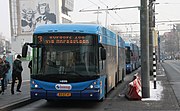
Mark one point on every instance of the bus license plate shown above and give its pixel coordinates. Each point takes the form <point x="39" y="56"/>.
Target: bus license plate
<point x="64" y="94"/>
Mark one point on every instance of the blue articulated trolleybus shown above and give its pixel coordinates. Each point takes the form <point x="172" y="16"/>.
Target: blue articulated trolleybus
<point x="129" y="57"/>
<point x="74" y="61"/>
<point x="132" y="57"/>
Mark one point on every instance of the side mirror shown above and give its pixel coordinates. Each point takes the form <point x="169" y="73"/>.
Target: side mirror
<point x="103" y="54"/>
<point x="24" y="50"/>
<point x="131" y="53"/>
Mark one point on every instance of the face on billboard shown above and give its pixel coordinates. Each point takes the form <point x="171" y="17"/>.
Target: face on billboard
<point x="42" y="9"/>
<point x="36" y="13"/>
<point x="30" y="15"/>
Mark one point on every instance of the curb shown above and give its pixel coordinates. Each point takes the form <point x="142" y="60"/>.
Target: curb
<point x="17" y="104"/>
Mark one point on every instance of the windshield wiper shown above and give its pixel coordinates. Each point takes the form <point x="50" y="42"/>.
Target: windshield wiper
<point x="76" y="73"/>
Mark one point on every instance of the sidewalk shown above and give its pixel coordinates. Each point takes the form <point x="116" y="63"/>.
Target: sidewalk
<point x="9" y="101"/>
<point x="165" y="99"/>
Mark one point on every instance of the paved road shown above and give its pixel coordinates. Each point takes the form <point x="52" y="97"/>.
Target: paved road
<point x="114" y="96"/>
<point x="114" y="102"/>
<point x="172" y="69"/>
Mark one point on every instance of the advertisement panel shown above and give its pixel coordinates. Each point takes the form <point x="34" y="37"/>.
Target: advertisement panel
<point x="34" y="13"/>
<point x="156" y="34"/>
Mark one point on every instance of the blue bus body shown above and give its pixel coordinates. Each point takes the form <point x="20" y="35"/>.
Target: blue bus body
<point x="78" y="91"/>
<point x="82" y="84"/>
<point x="129" y="62"/>
<point x="132" y="57"/>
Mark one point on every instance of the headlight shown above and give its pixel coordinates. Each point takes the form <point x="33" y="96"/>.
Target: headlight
<point x="128" y="65"/>
<point x="36" y="86"/>
<point x="91" y="86"/>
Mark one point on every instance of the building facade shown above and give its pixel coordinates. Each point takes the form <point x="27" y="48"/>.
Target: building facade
<point x="4" y="46"/>
<point x="26" y="15"/>
<point x="170" y="43"/>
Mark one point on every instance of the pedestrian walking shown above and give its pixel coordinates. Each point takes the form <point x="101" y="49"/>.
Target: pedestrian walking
<point x="6" y="70"/>
<point x="1" y="68"/>
<point x="16" y="74"/>
<point x="30" y="66"/>
<point x="2" y="73"/>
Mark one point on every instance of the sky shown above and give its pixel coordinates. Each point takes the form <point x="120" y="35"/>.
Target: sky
<point x="5" y="19"/>
<point x="166" y="10"/>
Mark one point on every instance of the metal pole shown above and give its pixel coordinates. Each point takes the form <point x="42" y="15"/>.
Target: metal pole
<point x="159" y="48"/>
<point x="98" y="15"/>
<point x="144" y="27"/>
<point x="106" y="17"/>
<point x="11" y="19"/>
<point x="178" y="44"/>
<point x="154" y="67"/>
<point x="151" y="36"/>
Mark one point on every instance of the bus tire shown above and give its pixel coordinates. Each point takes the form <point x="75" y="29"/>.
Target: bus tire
<point x="116" y="80"/>
<point x="102" y="99"/>
<point x="49" y="100"/>
<point x="123" y="75"/>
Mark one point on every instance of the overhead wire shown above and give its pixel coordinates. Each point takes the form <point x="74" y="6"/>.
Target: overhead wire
<point x="103" y="3"/>
<point x="93" y="3"/>
<point x="109" y="13"/>
<point x="118" y="3"/>
<point x="112" y="16"/>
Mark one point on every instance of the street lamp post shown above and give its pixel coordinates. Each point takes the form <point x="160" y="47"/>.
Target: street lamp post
<point x="178" y="35"/>
<point x="144" y="27"/>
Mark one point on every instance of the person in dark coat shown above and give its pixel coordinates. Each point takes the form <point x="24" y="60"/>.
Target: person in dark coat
<point x="16" y="74"/>
<point x="6" y="70"/>
<point x="1" y="68"/>
<point x="1" y="75"/>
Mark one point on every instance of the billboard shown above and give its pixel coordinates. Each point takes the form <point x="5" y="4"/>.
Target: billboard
<point x="155" y="38"/>
<point x="36" y="12"/>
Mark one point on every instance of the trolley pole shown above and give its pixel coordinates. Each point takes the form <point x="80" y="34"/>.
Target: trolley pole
<point x="144" y="28"/>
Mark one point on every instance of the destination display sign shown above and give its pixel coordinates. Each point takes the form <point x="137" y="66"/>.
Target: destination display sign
<point x="64" y="39"/>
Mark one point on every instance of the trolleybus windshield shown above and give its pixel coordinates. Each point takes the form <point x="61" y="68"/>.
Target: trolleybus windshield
<point x="66" y="55"/>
